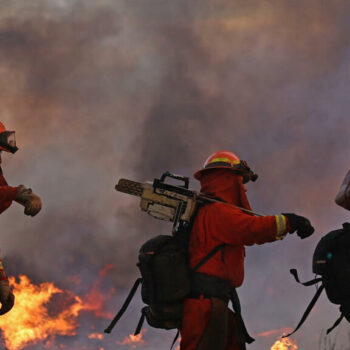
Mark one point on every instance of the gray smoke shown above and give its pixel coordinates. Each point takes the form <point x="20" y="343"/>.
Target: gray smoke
<point x="97" y="91"/>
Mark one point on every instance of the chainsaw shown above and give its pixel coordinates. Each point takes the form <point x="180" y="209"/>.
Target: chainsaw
<point x="164" y="201"/>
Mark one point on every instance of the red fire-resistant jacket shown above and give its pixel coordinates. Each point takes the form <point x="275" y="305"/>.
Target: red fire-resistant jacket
<point x="216" y="224"/>
<point x="219" y="223"/>
<point x="7" y="193"/>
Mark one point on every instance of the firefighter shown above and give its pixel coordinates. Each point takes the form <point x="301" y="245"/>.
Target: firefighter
<point x="8" y="194"/>
<point x="207" y="321"/>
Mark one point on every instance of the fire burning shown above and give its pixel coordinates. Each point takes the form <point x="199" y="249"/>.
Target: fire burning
<point x="284" y="330"/>
<point x="133" y="340"/>
<point x="284" y="344"/>
<point x="94" y="301"/>
<point x="44" y="311"/>
<point x="30" y="320"/>
<point x="96" y="336"/>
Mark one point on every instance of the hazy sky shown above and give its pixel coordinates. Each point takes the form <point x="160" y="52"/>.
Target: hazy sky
<point x="99" y="90"/>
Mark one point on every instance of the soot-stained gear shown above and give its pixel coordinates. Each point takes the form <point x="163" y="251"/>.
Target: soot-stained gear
<point x="227" y="160"/>
<point x="7" y="140"/>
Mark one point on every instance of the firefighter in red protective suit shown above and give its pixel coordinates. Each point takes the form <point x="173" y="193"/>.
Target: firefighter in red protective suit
<point x="207" y="321"/>
<point x="20" y="194"/>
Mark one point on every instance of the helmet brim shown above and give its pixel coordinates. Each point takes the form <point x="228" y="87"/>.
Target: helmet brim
<point x="198" y="174"/>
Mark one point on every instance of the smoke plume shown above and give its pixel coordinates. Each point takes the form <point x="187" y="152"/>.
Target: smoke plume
<point x="101" y="90"/>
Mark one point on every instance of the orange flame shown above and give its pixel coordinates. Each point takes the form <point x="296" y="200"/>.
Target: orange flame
<point x="284" y="344"/>
<point x="29" y="321"/>
<point x="284" y="330"/>
<point x="95" y="300"/>
<point x="133" y="340"/>
<point x="96" y="336"/>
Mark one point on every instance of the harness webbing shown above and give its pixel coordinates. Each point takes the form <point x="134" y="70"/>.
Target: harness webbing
<point x="134" y="289"/>
<point x="307" y="311"/>
<point x="125" y="306"/>
<point x="313" y="301"/>
<point x="236" y="305"/>
<point x="336" y="323"/>
<point x="141" y="321"/>
<point x="294" y="272"/>
<point x="208" y="256"/>
<point x="175" y="339"/>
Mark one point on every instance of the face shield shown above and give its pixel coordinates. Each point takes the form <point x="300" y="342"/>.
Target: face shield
<point x="8" y="141"/>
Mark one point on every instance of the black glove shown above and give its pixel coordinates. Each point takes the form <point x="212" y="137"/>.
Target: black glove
<point x="300" y="224"/>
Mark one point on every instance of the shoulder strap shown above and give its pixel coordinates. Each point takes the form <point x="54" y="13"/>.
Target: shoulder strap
<point x="141" y="321"/>
<point x="336" y="323"/>
<point x="307" y="311"/>
<point x="125" y="306"/>
<point x="208" y="256"/>
<point x="312" y="303"/>
<point x="175" y="339"/>
<point x="242" y="329"/>
<point x="294" y="272"/>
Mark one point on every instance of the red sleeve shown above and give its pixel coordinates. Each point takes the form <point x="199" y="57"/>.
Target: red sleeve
<point x="7" y="194"/>
<point x="234" y="227"/>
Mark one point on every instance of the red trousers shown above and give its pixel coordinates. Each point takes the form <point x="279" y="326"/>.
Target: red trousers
<point x="208" y="324"/>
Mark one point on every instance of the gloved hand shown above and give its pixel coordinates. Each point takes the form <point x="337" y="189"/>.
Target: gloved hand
<point x="31" y="202"/>
<point x="300" y="224"/>
<point x="7" y="298"/>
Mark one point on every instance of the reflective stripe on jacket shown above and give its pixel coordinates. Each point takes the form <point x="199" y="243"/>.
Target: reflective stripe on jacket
<point x="219" y="223"/>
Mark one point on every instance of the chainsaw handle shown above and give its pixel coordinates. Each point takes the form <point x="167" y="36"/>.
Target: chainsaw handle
<point x="185" y="179"/>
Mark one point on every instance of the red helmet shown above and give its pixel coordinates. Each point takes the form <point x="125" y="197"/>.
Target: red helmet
<point x="7" y="140"/>
<point x="227" y="160"/>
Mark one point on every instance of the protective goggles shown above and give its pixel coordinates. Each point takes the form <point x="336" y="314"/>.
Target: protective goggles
<point x="248" y="174"/>
<point x="8" y="141"/>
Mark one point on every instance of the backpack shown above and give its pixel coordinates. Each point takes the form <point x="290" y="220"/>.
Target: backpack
<point x="331" y="260"/>
<point x="166" y="280"/>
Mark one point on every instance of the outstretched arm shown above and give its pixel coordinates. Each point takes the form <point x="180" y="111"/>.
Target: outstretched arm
<point x="238" y="228"/>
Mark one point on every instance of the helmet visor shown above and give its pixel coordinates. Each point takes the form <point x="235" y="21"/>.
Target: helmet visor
<point x="8" y="141"/>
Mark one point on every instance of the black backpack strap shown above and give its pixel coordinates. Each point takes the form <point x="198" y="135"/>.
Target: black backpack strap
<point x="236" y="305"/>
<point x="308" y="310"/>
<point x="141" y="320"/>
<point x="336" y="323"/>
<point x="208" y="256"/>
<point x="125" y="306"/>
<point x="175" y="339"/>
<point x="294" y="272"/>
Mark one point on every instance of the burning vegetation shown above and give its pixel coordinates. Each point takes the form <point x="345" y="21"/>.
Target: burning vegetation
<point x="133" y="340"/>
<point x="284" y="344"/>
<point x="30" y="321"/>
<point x="43" y="311"/>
